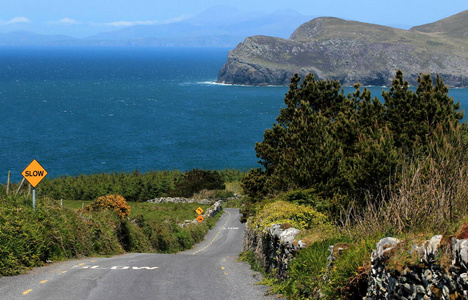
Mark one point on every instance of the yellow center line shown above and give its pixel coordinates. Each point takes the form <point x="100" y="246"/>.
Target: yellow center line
<point x="27" y="292"/>
<point x="64" y="271"/>
<point x="43" y="281"/>
<point x="215" y="235"/>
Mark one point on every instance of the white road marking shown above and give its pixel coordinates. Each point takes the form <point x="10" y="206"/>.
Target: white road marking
<point x="120" y="268"/>
<point x="115" y="267"/>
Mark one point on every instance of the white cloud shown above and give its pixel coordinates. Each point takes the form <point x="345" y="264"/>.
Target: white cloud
<point x="16" y="20"/>
<point x="176" y="19"/>
<point x="65" y="21"/>
<point x="131" y="23"/>
<point x="69" y="21"/>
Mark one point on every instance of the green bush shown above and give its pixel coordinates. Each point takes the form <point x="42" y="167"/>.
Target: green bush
<point x="134" y="186"/>
<point x="298" y="216"/>
<point x="196" y="180"/>
<point x="132" y="238"/>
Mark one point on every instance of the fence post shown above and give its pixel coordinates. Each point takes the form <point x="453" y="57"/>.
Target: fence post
<point x="8" y="183"/>
<point x="19" y="187"/>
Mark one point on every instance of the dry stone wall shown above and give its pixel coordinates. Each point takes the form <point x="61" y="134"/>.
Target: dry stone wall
<point x="180" y="200"/>
<point x="209" y="213"/>
<point x="429" y="279"/>
<point x="275" y="247"/>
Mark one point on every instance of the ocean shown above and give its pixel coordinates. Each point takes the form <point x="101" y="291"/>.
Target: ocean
<point x="92" y="110"/>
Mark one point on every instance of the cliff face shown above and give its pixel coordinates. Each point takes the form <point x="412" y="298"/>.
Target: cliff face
<point x="352" y="52"/>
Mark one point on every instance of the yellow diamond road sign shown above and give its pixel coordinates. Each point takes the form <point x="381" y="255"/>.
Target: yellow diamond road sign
<point x="34" y="173"/>
<point x="200" y="218"/>
<point x="199" y="210"/>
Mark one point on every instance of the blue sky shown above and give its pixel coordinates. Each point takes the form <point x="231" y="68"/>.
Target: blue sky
<point x="87" y="17"/>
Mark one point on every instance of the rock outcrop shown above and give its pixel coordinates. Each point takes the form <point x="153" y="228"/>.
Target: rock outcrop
<point x="349" y="51"/>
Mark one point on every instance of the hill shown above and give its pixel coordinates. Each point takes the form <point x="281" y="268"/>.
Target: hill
<point x="351" y="51"/>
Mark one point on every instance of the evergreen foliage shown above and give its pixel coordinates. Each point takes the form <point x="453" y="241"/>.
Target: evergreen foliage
<point x="136" y="186"/>
<point x="349" y="147"/>
<point x="196" y="180"/>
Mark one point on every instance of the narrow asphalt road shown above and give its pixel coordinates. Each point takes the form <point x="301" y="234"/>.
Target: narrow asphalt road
<point x="208" y="271"/>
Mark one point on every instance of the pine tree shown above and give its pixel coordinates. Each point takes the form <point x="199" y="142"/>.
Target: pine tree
<point x="349" y="147"/>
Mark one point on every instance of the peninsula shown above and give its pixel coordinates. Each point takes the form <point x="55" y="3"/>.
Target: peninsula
<point x="351" y="51"/>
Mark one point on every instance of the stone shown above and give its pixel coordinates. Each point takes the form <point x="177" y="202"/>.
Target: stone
<point x="301" y="244"/>
<point x="288" y="235"/>
<point x="275" y="230"/>
<point x="407" y="288"/>
<point x="420" y="289"/>
<point x="384" y="246"/>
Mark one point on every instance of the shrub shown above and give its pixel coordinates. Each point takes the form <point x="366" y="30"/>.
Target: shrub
<point x="31" y="237"/>
<point x="132" y="238"/>
<point x="114" y="203"/>
<point x="196" y="180"/>
<point x="298" y="216"/>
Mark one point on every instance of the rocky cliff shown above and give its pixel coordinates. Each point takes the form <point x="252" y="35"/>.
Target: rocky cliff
<point x="351" y="52"/>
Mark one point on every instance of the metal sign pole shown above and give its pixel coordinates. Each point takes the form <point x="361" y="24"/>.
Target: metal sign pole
<point x="34" y="198"/>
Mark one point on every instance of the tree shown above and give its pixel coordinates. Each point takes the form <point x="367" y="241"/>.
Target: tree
<point x="348" y="147"/>
<point x="414" y="116"/>
<point x="196" y="180"/>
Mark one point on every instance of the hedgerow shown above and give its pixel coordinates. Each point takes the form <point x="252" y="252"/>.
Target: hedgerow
<point x="30" y="238"/>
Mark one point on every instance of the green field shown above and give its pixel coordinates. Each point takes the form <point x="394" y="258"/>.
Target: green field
<point x="152" y="211"/>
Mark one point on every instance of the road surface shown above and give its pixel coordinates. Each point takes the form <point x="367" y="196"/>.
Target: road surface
<point x="208" y="271"/>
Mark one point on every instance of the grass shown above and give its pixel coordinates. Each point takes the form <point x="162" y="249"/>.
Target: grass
<point x="75" y="204"/>
<point x="160" y="212"/>
<point x="152" y="211"/>
<point x="235" y="187"/>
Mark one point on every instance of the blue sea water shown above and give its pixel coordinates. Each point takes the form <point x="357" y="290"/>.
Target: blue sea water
<point x="89" y="110"/>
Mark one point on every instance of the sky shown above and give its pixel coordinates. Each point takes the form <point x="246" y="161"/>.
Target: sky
<point x="82" y="18"/>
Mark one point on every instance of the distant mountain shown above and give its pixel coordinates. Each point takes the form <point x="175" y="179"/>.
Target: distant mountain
<point x="25" y="38"/>
<point x="220" y="26"/>
<point x="351" y="52"/>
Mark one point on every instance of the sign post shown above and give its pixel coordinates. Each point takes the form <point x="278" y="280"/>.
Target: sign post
<point x="34" y="173"/>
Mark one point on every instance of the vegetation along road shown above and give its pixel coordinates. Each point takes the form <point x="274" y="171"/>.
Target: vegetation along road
<point x="208" y="271"/>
